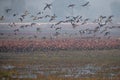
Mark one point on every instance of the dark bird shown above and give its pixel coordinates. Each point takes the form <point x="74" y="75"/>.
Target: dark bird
<point x="12" y="24"/>
<point x="75" y="18"/>
<point x="8" y="10"/>
<point x="35" y="36"/>
<point x="67" y="17"/>
<point x="26" y="13"/>
<point x="22" y="26"/>
<point x="21" y="19"/>
<point x="15" y="15"/>
<point x="85" y="21"/>
<point x="56" y="34"/>
<point x="86" y="4"/>
<point x="52" y="26"/>
<point x="106" y="33"/>
<point x="38" y="13"/>
<point x="109" y="19"/>
<point x="23" y="16"/>
<point x="16" y="30"/>
<point x="59" y="23"/>
<point x="58" y="28"/>
<point x="74" y="25"/>
<point x="47" y="6"/>
<point x="32" y="24"/>
<point x="100" y="19"/>
<point x="2" y="18"/>
<point x="35" y="18"/>
<point x="40" y="17"/>
<point x="52" y="18"/>
<point x="46" y="16"/>
<point x="2" y="34"/>
<point x="27" y="25"/>
<point x="38" y="29"/>
<point x="71" y="5"/>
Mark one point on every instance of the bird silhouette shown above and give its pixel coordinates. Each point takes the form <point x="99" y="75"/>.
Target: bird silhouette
<point x="32" y="24"/>
<point x="52" y="18"/>
<point x="85" y="4"/>
<point x="85" y="21"/>
<point x="8" y="10"/>
<point x="71" y="5"/>
<point x="38" y="29"/>
<point x="58" y="28"/>
<point x="106" y="33"/>
<point x="47" y="6"/>
<point x="2" y="18"/>
<point x="14" y="15"/>
<point x="21" y="19"/>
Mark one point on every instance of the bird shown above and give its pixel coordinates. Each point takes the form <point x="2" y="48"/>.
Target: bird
<point x="12" y="24"/>
<point x="56" y="34"/>
<point x="47" y="6"/>
<point x="32" y="24"/>
<point x="75" y="18"/>
<point x="2" y="34"/>
<point x="58" y="28"/>
<point x="35" y="36"/>
<point x="109" y="19"/>
<point x="27" y="25"/>
<point x="85" y="21"/>
<point x="46" y="16"/>
<point x="38" y="29"/>
<point x="40" y="17"/>
<point x="35" y="18"/>
<point x="14" y="15"/>
<point x="39" y="13"/>
<point x="16" y="30"/>
<point x="22" y="26"/>
<point x="101" y="18"/>
<point x="2" y="18"/>
<point x="85" y="4"/>
<point x="52" y="26"/>
<point x="74" y="25"/>
<point x="20" y="19"/>
<point x="106" y="33"/>
<point x="59" y="22"/>
<point x="26" y="13"/>
<point x="71" y="5"/>
<point x="23" y="16"/>
<point x="67" y="17"/>
<point x="52" y="18"/>
<point x="7" y="10"/>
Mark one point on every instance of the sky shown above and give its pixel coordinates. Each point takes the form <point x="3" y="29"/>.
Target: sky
<point x="59" y="7"/>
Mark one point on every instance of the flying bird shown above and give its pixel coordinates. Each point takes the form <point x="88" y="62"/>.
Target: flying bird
<point x="106" y="33"/>
<point x="52" y="18"/>
<point x="38" y="29"/>
<point x="74" y="25"/>
<point x="1" y="18"/>
<point x="47" y="6"/>
<point x="86" y="4"/>
<point x="8" y="10"/>
<point x="20" y="19"/>
<point x="15" y="15"/>
<point x="85" y="21"/>
<point x="33" y="24"/>
<point x="71" y="5"/>
<point x="58" y="28"/>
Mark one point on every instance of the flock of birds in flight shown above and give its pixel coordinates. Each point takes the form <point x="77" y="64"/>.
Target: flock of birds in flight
<point x="102" y="21"/>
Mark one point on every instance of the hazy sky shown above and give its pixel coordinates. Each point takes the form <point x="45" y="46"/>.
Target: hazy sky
<point x="59" y="7"/>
